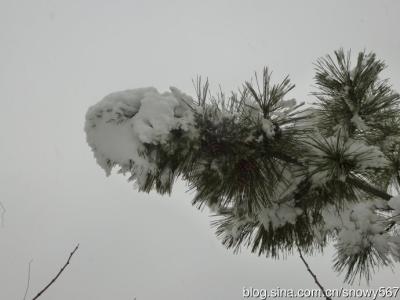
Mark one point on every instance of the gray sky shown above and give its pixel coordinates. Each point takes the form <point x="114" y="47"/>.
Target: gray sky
<point x="59" y="57"/>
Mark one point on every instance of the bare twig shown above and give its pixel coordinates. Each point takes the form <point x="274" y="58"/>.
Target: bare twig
<point x="313" y="275"/>
<point x="29" y="279"/>
<point x="3" y="211"/>
<point x="58" y="274"/>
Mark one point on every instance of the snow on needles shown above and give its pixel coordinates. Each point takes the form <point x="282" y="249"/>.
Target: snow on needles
<point x="359" y="228"/>
<point x="118" y="127"/>
<point x="324" y="166"/>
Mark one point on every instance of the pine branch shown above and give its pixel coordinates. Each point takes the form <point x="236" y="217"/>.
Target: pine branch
<point x="390" y="226"/>
<point x="357" y="182"/>
<point x="58" y="274"/>
<point x="366" y="187"/>
<point x="313" y="275"/>
<point x="259" y="161"/>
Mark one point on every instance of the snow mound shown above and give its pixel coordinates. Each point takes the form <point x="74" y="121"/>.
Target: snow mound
<point x="120" y="126"/>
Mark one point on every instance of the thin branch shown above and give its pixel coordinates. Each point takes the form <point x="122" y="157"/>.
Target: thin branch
<point x="58" y="274"/>
<point x="313" y="275"/>
<point x="3" y="211"/>
<point x="362" y="185"/>
<point x="390" y="226"/>
<point x="29" y="279"/>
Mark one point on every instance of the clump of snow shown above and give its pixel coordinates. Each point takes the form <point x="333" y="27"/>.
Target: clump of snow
<point x="118" y="127"/>
<point x="391" y="142"/>
<point x="358" y="122"/>
<point x="235" y="229"/>
<point x="307" y="118"/>
<point x="366" y="156"/>
<point x="290" y="103"/>
<point x="360" y="227"/>
<point x="279" y="214"/>
<point x="268" y="128"/>
<point x="394" y="203"/>
<point x="353" y="73"/>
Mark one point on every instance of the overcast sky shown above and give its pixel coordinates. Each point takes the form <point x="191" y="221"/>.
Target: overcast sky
<point x="59" y="57"/>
